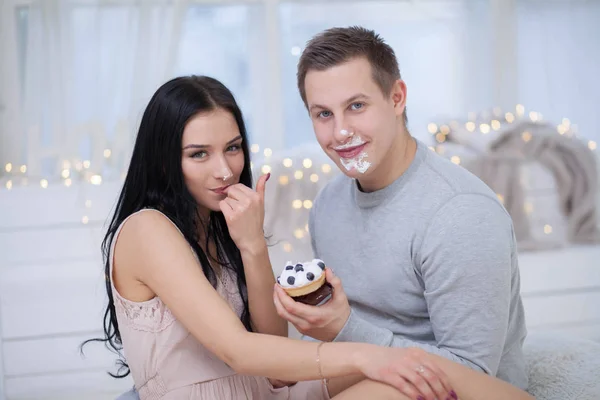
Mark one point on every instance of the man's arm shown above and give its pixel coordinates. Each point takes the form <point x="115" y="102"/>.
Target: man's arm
<point x="465" y="264"/>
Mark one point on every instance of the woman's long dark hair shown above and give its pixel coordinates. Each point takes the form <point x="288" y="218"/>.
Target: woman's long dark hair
<point x="155" y="180"/>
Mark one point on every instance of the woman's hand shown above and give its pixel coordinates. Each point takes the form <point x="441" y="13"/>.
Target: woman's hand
<point x="244" y="212"/>
<point x="411" y="371"/>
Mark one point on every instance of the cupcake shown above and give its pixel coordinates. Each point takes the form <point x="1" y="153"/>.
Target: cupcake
<point x="305" y="282"/>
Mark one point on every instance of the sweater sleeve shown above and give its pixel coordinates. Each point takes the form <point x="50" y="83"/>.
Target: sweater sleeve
<point x="465" y="264"/>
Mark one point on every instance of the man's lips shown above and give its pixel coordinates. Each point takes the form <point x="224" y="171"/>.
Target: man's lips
<point x="351" y="152"/>
<point x="221" y="190"/>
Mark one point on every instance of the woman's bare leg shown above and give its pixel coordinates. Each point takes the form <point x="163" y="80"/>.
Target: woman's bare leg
<point x="367" y="389"/>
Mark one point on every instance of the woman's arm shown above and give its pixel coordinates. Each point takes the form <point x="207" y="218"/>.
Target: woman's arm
<point x="260" y="282"/>
<point x="151" y="250"/>
<point x="157" y="255"/>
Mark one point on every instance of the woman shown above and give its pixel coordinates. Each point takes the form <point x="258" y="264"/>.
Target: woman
<point x="189" y="280"/>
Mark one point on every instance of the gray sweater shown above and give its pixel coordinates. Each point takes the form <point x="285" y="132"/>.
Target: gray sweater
<point x="429" y="261"/>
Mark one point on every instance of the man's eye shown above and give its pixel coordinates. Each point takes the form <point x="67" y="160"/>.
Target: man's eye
<point x="324" y="114"/>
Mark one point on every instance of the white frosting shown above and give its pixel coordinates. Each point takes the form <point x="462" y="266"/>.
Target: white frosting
<point x="300" y="274"/>
<point x="359" y="162"/>
<point x="354" y="142"/>
<point x="344" y="132"/>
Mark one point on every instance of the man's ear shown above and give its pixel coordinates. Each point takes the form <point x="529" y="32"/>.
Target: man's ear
<point x="398" y="95"/>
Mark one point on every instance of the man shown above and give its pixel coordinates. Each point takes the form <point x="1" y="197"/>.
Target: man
<point x="426" y="252"/>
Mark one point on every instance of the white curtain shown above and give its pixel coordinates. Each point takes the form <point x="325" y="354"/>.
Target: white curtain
<point x="90" y="67"/>
<point x="559" y="62"/>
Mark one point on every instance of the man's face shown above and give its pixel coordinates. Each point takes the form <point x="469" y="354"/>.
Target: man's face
<point x="354" y="122"/>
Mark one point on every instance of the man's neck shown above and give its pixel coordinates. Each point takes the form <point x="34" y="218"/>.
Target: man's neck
<point x="396" y="162"/>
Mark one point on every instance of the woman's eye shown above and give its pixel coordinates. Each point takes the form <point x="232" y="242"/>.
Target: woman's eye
<point x="234" y="147"/>
<point x="200" y="154"/>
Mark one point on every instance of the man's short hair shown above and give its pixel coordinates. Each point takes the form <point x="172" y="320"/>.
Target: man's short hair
<point x="336" y="46"/>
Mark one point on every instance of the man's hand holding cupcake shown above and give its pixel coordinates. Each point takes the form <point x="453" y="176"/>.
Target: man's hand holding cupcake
<point x="301" y="297"/>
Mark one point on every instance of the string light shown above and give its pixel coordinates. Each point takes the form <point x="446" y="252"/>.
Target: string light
<point x="484" y="128"/>
<point x="85" y="219"/>
<point x="287" y="162"/>
<point x="314" y="178"/>
<point x="298" y="174"/>
<point x="526" y="136"/>
<point x="265" y="169"/>
<point x="65" y="173"/>
<point x="287" y="247"/>
<point x="254" y="148"/>
<point x="520" y="109"/>
<point x="44" y="183"/>
<point x="440" y="137"/>
<point x="284" y="180"/>
<point x="96" y="180"/>
<point x="592" y="145"/>
<point x="299" y="233"/>
<point x="87" y="164"/>
<point x="297" y="204"/>
<point x="470" y="126"/>
<point x="547" y="229"/>
<point x="23" y="169"/>
<point x="432" y="128"/>
<point x="509" y="117"/>
<point x="495" y="124"/>
<point x="268" y="152"/>
<point x="307" y="204"/>
<point x="68" y="182"/>
<point x="107" y="153"/>
<point x="455" y="160"/>
<point x="445" y="129"/>
<point x="562" y="129"/>
<point x="8" y="167"/>
<point x="9" y="184"/>
<point x="307" y="163"/>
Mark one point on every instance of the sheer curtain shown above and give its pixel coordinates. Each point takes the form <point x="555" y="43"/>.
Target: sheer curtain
<point x="559" y="62"/>
<point x="89" y="68"/>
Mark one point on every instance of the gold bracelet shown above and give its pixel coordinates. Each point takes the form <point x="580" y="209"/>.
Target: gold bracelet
<point x="319" y="364"/>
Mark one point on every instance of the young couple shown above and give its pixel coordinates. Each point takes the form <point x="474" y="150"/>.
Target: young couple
<point x="429" y="307"/>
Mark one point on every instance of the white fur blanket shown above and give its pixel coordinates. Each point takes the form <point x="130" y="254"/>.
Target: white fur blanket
<point x="562" y="368"/>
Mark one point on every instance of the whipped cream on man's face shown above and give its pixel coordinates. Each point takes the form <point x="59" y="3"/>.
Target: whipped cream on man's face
<point x="301" y="274"/>
<point x="359" y="162"/>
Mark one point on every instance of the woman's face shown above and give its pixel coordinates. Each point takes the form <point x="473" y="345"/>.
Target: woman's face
<point x="212" y="156"/>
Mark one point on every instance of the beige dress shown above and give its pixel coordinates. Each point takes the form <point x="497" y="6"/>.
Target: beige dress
<point x="167" y="362"/>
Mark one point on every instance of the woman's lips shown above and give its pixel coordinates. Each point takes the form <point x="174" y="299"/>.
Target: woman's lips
<point x="351" y="152"/>
<point x="221" y="190"/>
